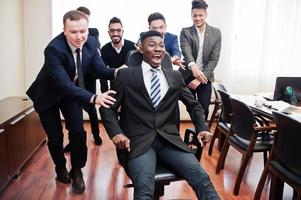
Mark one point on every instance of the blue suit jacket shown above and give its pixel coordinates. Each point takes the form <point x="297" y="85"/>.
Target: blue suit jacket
<point x="55" y="80"/>
<point x="172" y="45"/>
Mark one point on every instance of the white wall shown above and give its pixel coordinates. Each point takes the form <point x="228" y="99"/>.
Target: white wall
<point x="37" y="34"/>
<point x="25" y="27"/>
<point x="11" y="53"/>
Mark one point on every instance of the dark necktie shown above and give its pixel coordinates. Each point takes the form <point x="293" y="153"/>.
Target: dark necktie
<point x="79" y="69"/>
<point x="155" y="92"/>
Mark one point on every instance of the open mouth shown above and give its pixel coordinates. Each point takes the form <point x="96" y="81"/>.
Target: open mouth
<point x="157" y="58"/>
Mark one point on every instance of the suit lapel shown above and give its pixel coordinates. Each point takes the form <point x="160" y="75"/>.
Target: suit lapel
<point x="140" y="83"/>
<point x="206" y="41"/>
<point x="195" y="36"/>
<point x="168" y="75"/>
<point x="84" y="59"/>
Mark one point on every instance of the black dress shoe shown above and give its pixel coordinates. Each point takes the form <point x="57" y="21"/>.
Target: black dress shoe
<point x="62" y="175"/>
<point x="67" y="148"/>
<point x="78" y="184"/>
<point x="97" y="139"/>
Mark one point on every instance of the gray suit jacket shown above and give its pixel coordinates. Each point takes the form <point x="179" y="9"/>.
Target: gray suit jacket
<point x="139" y="121"/>
<point x="189" y="42"/>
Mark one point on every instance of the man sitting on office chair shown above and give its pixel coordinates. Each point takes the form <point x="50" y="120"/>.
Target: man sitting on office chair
<point x="148" y="128"/>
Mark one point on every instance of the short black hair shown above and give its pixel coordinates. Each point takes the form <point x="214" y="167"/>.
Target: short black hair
<point x="155" y="16"/>
<point x="150" y="34"/>
<point x="84" y="10"/>
<point x="115" y="20"/>
<point x="199" y="4"/>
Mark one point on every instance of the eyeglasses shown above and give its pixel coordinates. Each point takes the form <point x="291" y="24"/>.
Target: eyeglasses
<point x="118" y="30"/>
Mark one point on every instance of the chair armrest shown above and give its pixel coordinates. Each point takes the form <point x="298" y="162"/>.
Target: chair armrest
<point x="265" y="128"/>
<point x="190" y="138"/>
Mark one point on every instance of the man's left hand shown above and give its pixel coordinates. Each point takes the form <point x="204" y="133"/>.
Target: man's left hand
<point x="204" y="137"/>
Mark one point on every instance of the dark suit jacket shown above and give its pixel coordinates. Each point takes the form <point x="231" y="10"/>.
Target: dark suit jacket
<point x="94" y="32"/>
<point x="139" y="121"/>
<point x="55" y="80"/>
<point x="189" y="42"/>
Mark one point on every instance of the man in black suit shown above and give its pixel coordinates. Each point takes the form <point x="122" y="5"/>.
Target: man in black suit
<point x="59" y="86"/>
<point x="148" y="127"/>
<point x="90" y="85"/>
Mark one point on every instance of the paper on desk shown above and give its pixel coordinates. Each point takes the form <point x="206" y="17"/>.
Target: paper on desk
<point x="266" y="95"/>
<point x="279" y="105"/>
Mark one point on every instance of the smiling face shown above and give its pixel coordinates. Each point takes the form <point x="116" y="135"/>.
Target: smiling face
<point x="158" y="25"/>
<point x="115" y="32"/>
<point x="76" y="32"/>
<point x="153" y="50"/>
<point x="198" y="16"/>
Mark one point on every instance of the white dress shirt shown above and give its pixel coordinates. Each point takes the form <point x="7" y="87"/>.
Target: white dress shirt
<point x="147" y="76"/>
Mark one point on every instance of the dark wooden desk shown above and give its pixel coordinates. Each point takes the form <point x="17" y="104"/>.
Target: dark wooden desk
<point x="21" y="133"/>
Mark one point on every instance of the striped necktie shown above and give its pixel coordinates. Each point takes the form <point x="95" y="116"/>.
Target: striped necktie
<point x="155" y="91"/>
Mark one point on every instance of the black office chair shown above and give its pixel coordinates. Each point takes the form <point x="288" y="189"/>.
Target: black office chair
<point x="163" y="175"/>
<point x="224" y="120"/>
<point x="217" y="104"/>
<point x="243" y="136"/>
<point x="284" y="163"/>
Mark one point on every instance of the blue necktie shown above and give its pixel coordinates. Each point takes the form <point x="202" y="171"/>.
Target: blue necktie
<point x="155" y="91"/>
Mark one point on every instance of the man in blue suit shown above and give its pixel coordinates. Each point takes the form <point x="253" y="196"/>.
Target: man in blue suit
<point x="59" y="86"/>
<point x="156" y="22"/>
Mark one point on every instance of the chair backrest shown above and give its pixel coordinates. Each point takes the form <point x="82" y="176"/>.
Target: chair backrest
<point x="243" y="119"/>
<point x="288" y="141"/>
<point x="226" y="106"/>
<point x="218" y="86"/>
<point x="280" y="92"/>
<point x="134" y="59"/>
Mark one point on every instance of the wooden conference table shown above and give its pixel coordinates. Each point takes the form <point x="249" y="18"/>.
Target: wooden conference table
<point x="266" y="107"/>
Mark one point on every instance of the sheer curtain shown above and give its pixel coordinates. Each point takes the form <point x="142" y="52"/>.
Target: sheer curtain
<point x="265" y="43"/>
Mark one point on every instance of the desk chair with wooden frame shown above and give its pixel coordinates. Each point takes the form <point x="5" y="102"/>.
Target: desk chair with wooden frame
<point x="284" y="163"/>
<point x="243" y="136"/>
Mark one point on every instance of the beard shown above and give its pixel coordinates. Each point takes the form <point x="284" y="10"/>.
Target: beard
<point x="116" y="39"/>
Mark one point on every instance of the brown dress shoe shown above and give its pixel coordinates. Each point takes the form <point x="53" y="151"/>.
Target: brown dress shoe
<point x="62" y="175"/>
<point x="78" y="184"/>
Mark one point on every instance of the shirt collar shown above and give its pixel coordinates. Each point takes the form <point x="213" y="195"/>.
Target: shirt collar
<point x="122" y="44"/>
<point x="73" y="48"/>
<point x="147" y="68"/>
<point x="199" y="32"/>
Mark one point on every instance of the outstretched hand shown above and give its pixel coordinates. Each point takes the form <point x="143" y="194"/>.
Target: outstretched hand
<point x="121" y="142"/>
<point x="105" y="99"/>
<point x="177" y="61"/>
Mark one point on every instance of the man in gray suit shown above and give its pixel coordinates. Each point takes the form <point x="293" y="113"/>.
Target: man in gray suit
<point x="201" y="46"/>
<point x="148" y="127"/>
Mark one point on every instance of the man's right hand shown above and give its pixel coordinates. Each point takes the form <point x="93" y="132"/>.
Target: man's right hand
<point x="198" y="74"/>
<point x="121" y="142"/>
<point x="105" y="99"/>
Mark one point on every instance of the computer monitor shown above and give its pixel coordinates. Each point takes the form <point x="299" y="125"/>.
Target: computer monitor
<point x="280" y="92"/>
